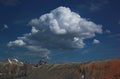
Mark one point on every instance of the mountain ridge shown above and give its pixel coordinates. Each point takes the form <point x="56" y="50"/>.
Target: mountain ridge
<point x="106" y="69"/>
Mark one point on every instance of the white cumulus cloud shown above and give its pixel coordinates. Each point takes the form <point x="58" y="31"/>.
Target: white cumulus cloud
<point x="59" y="29"/>
<point x="16" y="43"/>
<point x="34" y="30"/>
<point x="95" y="41"/>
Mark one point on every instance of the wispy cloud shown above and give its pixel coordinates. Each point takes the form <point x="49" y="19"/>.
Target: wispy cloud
<point x="9" y="2"/>
<point x="119" y="22"/>
<point x="114" y="35"/>
<point x="107" y="31"/>
<point x="17" y="22"/>
<point x="5" y="26"/>
<point x="94" y="5"/>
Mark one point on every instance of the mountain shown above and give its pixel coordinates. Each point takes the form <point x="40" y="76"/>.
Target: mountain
<point x="107" y="69"/>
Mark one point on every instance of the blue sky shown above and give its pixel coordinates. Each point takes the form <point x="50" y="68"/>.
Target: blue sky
<point x="17" y="18"/>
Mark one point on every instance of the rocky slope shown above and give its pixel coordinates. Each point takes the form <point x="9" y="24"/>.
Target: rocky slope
<point x="108" y="69"/>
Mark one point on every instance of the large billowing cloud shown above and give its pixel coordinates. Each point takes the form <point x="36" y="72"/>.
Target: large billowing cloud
<point x="59" y="29"/>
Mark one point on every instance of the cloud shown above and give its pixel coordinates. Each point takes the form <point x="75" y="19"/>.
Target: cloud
<point x="95" y="41"/>
<point x="59" y="29"/>
<point x="16" y="43"/>
<point x="9" y="2"/>
<point x="94" y="5"/>
<point x="43" y="51"/>
<point x="119" y="22"/>
<point x="115" y="35"/>
<point x="97" y="4"/>
<point x="5" y="26"/>
<point x="107" y="31"/>
<point x="34" y="30"/>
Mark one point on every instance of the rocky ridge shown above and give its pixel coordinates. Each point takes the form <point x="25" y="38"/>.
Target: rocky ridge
<point x="107" y="69"/>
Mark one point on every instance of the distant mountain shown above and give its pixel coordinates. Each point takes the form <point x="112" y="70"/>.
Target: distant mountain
<point x="11" y="68"/>
<point x="13" y="61"/>
<point x="107" y="69"/>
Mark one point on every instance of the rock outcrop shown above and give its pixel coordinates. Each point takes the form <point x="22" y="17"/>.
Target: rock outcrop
<point x="108" y="69"/>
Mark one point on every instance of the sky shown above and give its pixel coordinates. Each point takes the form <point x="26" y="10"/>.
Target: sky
<point x="59" y="30"/>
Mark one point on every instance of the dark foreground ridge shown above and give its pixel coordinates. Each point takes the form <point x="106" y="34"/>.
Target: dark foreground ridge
<point x="107" y="69"/>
